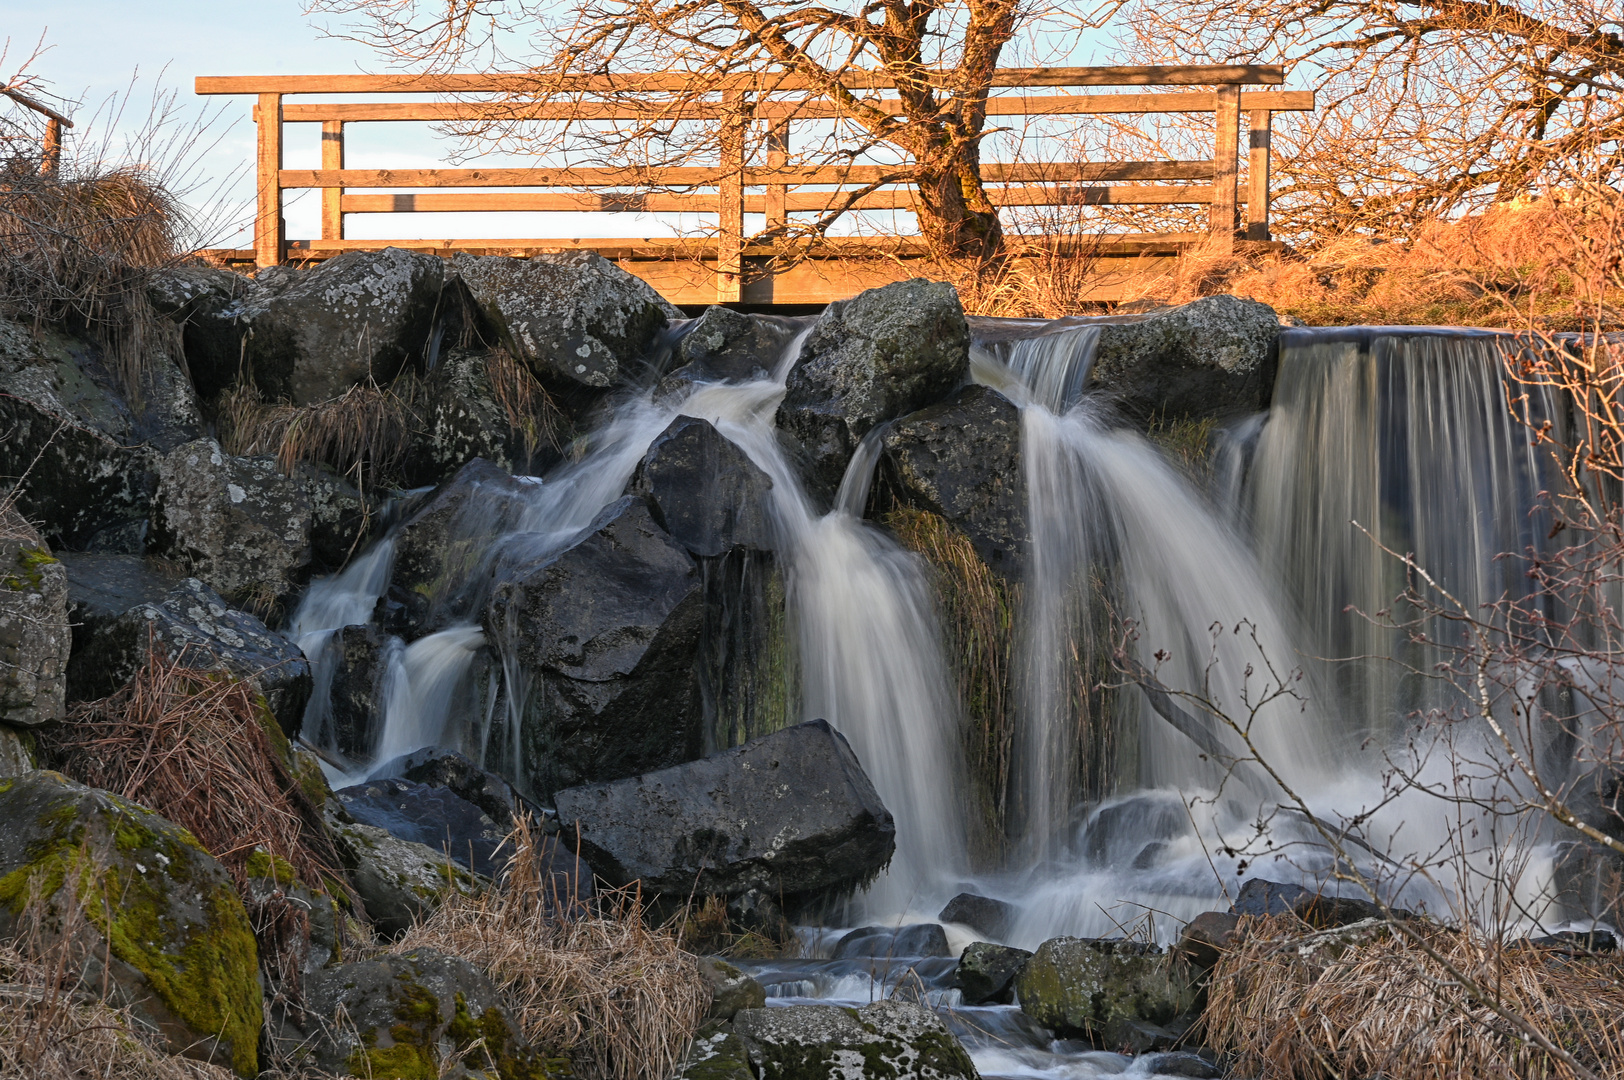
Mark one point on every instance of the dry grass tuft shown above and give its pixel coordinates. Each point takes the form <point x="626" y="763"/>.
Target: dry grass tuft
<point x="1369" y="1002"/>
<point x="620" y="998"/>
<point x="73" y="249"/>
<point x="530" y="410"/>
<point x="362" y="433"/>
<point x="53" y="1026"/>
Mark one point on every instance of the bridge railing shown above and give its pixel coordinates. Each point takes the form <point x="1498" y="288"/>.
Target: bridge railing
<point x="726" y="261"/>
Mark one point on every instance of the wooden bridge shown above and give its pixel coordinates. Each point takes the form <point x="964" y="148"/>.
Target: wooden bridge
<point x="725" y="267"/>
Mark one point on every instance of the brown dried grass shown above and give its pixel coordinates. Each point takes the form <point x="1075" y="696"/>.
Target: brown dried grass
<point x="1308" y="1005"/>
<point x="530" y="410"/>
<point x="362" y="433"/>
<point x="621" y="998"/>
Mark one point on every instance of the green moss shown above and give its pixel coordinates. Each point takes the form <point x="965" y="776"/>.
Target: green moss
<point x="411" y="1054"/>
<point x="308" y="775"/>
<point x="263" y="864"/>
<point x="399" y="1062"/>
<point x="29" y="573"/>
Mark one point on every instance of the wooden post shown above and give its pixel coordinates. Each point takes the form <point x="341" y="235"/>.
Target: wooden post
<point x="268" y="238"/>
<point x="1226" y="166"/>
<point x="1257" y="197"/>
<point x="730" y="201"/>
<point x="51" y="157"/>
<point x="777" y="157"/>
<point x="332" y="157"/>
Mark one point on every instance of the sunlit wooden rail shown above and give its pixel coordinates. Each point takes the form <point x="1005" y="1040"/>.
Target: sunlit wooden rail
<point x="55" y="122"/>
<point x="725" y="266"/>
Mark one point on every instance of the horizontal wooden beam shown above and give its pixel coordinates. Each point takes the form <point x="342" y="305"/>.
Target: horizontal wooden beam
<point x="680" y="82"/>
<point x="698" y="176"/>
<point x="651" y="110"/>
<point x="38" y="106"/>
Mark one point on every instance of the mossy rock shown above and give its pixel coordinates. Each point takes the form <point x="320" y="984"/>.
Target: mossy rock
<point x="1099" y="989"/>
<point x="35" y="639"/>
<point x="16" y="751"/>
<point x="888" y="1040"/>
<point x="716" y="1054"/>
<point x="149" y="911"/>
<point x="397" y="880"/>
<point x="405" y="1015"/>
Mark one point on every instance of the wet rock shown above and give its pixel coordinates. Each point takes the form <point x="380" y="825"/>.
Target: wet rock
<point x="1211" y="357"/>
<point x="238" y="524"/>
<point x="313" y="334"/>
<point x="609" y="630"/>
<point x="725" y="346"/>
<point x="575" y="319"/>
<point x="1102" y="990"/>
<point x="151" y="914"/>
<point x="1576" y="942"/>
<point x="1596" y="797"/>
<point x="450" y="770"/>
<point x="441" y="546"/>
<point x="432" y="816"/>
<point x="918" y="939"/>
<point x="982" y="914"/>
<point x="894" y="1039"/>
<point x="1177" y="1063"/>
<point x="1588" y="882"/>
<point x="1207" y="937"/>
<point x="731" y="989"/>
<point x="1260" y="897"/>
<point x="64" y="440"/>
<point x="459" y="415"/>
<point x="986" y="973"/>
<point x="402" y="1015"/>
<point x="873" y="358"/>
<point x="397" y="880"/>
<point x="340" y="518"/>
<point x="753" y="911"/>
<point x="790" y="814"/>
<point x="704" y="490"/>
<point x="204" y="301"/>
<point x="34" y="636"/>
<point x="961" y="459"/>
<point x="354" y="716"/>
<point x="16" y="752"/>
<point x="193" y="623"/>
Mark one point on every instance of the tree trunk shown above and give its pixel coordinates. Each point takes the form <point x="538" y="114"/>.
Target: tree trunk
<point x="956" y="216"/>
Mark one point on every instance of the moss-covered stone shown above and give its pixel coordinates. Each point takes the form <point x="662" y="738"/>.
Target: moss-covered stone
<point x="888" y="1040"/>
<point x="35" y="639"/>
<point x="161" y="921"/>
<point x="1099" y="989"/>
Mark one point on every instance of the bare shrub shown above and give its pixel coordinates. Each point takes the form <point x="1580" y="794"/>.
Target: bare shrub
<point x="595" y="982"/>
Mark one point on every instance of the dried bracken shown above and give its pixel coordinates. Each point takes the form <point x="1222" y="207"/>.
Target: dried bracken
<point x="1369" y="1001"/>
<point x="592" y="981"/>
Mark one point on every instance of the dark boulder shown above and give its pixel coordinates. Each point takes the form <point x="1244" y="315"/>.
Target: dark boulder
<point x="340" y="517"/>
<point x="399" y="881"/>
<point x="893" y="1039"/>
<point x="916" y="939"/>
<point x="986" y="973"/>
<point x="575" y="319"/>
<point x="704" y="490"/>
<point x="204" y="302"/>
<point x="454" y="772"/>
<point x="435" y="817"/>
<point x="413" y="1014"/>
<point x="791" y="814"/>
<point x="238" y="524"/>
<point x="478" y="404"/>
<point x="982" y="914"/>
<point x="1211" y="357"/>
<point x="359" y="317"/>
<point x="878" y="356"/>
<point x="609" y="631"/>
<point x="440" y="548"/>
<point x="961" y="459"/>
<point x="192" y="623"/>
<point x="353" y="719"/>
<point x="1180" y="1063"/>
<point x="1207" y="937"/>
<point x="35" y="641"/>
<point x="1588" y="880"/>
<point x="1260" y="897"/>
<point x="724" y="345"/>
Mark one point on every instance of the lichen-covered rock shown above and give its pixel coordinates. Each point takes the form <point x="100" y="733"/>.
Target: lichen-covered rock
<point x="191" y="622"/>
<point x="397" y="880"/>
<point x="410" y="1015"/>
<point x="432" y="816"/>
<point x="704" y="490"/>
<point x="459" y="415"/>
<point x="892" y="1039"/>
<point x="880" y="355"/>
<point x="986" y="973"/>
<point x="731" y="989"/>
<point x="724" y="345"/>
<point x="790" y="814"/>
<point x="1105" y="990"/>
<point x="609" y="630"/>
<point x="313" y="334"/>
<point x="34" y="636"/>
<point x="716" y="1054"/>
<point x="151" y="913"/>
<point x="238" y="524"/>
<point x="16" y="752"/>
<point x="204" y="302"/>
<point x="1211" y="357"/>
<point x="64" y="440"/>
<point x="961" y="459"/>
<point x="575" y="319"/>
<point x="340" y="517"/>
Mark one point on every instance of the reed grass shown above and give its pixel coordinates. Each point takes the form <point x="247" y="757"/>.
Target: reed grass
<point x="530" y="410"/>
<point x="363" y="433"/>
<point x="594" y="982"/>
<point x="1367" y="1001"/>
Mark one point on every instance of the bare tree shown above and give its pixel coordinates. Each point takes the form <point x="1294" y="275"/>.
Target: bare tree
<point x="941" y="54"/>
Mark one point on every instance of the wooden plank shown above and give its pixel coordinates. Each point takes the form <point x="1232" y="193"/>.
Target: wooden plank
<point x="332" y="198"/>
<point x="630" y="202"/>
<point x="775" y="205"/>
<point x="677" y="82"/>
<point x="699" y="176"/>
<point x="1016" y="105"/>
<point x="50" y="158"/>
<point x="1225" y="166"/>
<point x="268" y="235"/>
<point x="730" y="200"/>
<point x="1257" y="204"/>
<point x="667" y="247"/>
